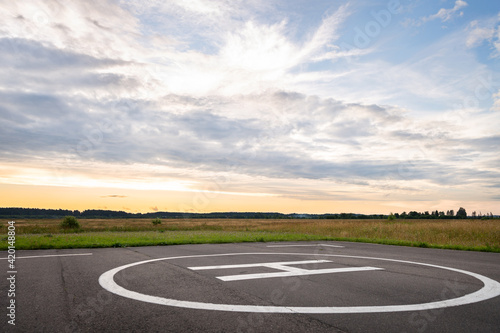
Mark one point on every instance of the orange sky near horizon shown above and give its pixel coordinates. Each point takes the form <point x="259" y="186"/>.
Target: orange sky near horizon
<point x="143" y="201"/>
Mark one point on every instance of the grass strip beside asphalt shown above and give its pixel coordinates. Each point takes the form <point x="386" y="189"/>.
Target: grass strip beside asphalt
<point x="147" y="238"/>
<point x="152" y="238"/>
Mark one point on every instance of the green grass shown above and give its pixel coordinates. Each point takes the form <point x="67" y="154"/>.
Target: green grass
<point x="147" y="238"/>
<point x="151" y="238"/>
<point x="472" y="235"/>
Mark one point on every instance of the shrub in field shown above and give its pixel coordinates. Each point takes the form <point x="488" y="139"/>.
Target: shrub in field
<point x="391" y="217"/>
<point x="70" y="222"/>
<point x="156" y="221"/>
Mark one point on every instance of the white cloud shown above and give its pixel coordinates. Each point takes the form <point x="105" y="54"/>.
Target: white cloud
<point x="326" y="33"/>
<point x="263" y="54"/>
<point x="97" y="29"/>
<point x="445" y="14"/>
<point x="496" y="42"/>
<point x="258" y="48"/>
<point x="478" y="32"/>
<point x="202" y="7"/>
<point x="496" y="104"/>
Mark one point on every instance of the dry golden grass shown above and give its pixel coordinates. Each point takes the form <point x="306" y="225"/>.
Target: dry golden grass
<point x="468" y="233"/>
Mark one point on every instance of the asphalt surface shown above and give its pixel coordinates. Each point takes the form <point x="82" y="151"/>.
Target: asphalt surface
<point x="254" y="287"/>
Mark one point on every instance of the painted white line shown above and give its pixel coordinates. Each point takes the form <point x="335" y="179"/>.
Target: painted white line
<point x="53" y="255"/>
<point x="286" y="270"/>
<point x="199" y="268"/>
<point x="490" y="290"/>
<point x="315" y="245"/>
<point x="302" y="272"/>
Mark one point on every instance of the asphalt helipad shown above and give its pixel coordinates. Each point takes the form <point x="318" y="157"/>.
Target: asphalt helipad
<point x="256" y="287"/>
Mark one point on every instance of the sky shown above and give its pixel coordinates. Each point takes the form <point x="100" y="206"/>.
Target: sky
<point x="273" y="106"/>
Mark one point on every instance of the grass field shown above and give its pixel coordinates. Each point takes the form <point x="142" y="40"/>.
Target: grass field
<point x="477" y="235"/>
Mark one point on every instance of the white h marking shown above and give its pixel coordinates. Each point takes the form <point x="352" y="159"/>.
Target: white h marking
<point x="286" y="271"/>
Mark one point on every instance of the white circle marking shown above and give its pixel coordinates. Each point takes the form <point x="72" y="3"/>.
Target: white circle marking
<point x="490" y="289"/>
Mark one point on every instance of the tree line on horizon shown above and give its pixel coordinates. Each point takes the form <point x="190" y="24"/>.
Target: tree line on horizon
<point x="18" y="212"/>
<point x="450" y="214"/>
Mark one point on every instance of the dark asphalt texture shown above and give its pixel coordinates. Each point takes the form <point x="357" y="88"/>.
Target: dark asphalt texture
<point x="63" y="294"/>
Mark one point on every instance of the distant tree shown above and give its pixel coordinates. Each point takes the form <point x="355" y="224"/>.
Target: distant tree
<point x="441" y="213"/>
<point x="461" y="213"/>
<point x="474" y="215"/>
<point x="414" y="214"/>
<point x="452" y="212"/>
<point x="391" y="217"/>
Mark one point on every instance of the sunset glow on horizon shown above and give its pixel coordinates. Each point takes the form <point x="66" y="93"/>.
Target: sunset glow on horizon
<point x="262" y="106"/>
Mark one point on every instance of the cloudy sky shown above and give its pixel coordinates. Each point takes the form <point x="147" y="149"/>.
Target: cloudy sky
<point x="259" y="105"/>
